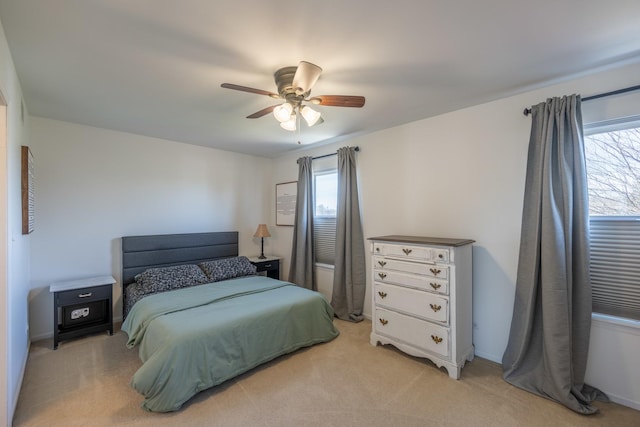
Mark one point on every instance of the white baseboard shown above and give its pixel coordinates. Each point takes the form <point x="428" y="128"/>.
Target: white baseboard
<point x="623" y="401"/>
<point x="23" y="368"/>
<point x="488" y="356"/>
<point x="39" y="337"/>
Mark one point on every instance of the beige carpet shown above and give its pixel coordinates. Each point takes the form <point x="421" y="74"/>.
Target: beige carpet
<point x="346" y="382"/>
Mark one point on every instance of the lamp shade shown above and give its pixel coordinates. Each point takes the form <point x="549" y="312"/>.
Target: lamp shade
<point x="310" y="115"/>
<point x="305" y="77"/>
<point x="262" y="231"/>
<point x="283" y="112"/>
<point x="290" y="124"/>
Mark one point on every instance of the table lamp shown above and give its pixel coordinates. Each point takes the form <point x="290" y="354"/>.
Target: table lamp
<point x="262" y="232"/>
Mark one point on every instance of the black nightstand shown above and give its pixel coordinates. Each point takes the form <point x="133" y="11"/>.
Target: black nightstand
<point x="82" y="307"/>
<point x="270" y="265"/>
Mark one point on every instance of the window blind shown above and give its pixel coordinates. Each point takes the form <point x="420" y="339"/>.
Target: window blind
<point x="324" y="229"/>
<point x="615" y="265"/>
<point x="324" y="223"/>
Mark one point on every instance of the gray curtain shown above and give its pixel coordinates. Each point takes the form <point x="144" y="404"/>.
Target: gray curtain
<point x="302" y="270"/>
<point x="549" y="338"/>
<point x="349" y="277"/>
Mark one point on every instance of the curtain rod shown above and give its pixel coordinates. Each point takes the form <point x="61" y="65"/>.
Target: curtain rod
<point x="331" y="154"/>
<point x="527" y="111"/>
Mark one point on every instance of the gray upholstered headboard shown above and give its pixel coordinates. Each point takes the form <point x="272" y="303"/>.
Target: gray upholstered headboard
<point x="162" y="250"/>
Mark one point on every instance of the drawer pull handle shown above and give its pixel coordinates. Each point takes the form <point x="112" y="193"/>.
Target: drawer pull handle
<point x="377" y="249"/>
<point x="87" y="295"/>
<point x="435" y="271"/>
<point x="383" y="321"/>
<point x="382" y="294"/>
<point x="435" y="307"/>
<point x="382" y="275"/>
<point x="435" y="286"/>
<point x="382" y="263"/>
<point x="406" y="251"/>
<point x="267" y="266"/>
<point x="436" y="339"/>
<point x="440" y="256"/>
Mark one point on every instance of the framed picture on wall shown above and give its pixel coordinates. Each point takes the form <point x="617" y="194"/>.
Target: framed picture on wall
<point x="286" y="194"/>
<point x="27" y="190"/>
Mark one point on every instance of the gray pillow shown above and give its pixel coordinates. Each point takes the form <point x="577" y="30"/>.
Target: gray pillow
<point x="133" y="293"/>
<point x="228" y="268"/>
<point x="163" y="279"/>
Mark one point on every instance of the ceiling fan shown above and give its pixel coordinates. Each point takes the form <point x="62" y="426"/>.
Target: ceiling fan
<point x="294" y="87"/>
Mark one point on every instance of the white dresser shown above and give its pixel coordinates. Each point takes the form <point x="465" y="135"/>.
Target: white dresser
<point x="422" y="298"/>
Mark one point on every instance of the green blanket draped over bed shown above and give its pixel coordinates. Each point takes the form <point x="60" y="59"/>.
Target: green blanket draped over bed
<point x="194" y="338"/>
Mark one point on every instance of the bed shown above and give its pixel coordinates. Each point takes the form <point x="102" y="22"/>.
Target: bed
<point x="199" y="315"/>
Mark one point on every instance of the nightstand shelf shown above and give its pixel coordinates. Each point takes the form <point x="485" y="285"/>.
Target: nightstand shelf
<point x="269" y="265"/>
<point x="82" y="307"/>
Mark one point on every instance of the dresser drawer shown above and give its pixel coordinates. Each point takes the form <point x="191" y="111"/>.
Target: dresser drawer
<point x="411" y="301"/>
<point x="418" y="281"/>
<point x="431" y="269"/>
<point x="82" y="295"/>
<point x="267" y="265"/>
<point x="416" y="332"/>
<point x="411" y="252"/>
<point x="403" y="251"/>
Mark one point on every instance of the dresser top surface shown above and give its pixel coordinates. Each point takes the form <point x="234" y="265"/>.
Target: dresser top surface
<point x="442" y="241"/>
<point x="265" y="259"/>
<point x="81" y="283"/>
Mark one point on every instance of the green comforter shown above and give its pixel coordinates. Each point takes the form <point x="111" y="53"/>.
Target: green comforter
<point x="194" y="338"/>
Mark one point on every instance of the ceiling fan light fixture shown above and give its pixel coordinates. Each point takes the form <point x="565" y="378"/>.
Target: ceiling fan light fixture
<point x="310" y="115"/>
<point x="306" y="76"/>
<point x="289" y="124"/>
<point x="282" y="112"/>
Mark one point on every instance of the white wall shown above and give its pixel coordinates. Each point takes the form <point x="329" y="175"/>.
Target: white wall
<point x="14" y="247"/>
<point x="462" y="175"/>
<point x="95" y="185"/>
<point x="613" y="359"/>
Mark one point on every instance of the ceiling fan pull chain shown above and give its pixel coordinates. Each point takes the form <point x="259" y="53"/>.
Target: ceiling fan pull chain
<point x="298" y="127"/>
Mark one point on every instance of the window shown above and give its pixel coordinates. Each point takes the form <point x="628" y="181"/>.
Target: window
<point x="612" y="151"/>
<point x="613" y="162"/>
<point x="325" y="181"/>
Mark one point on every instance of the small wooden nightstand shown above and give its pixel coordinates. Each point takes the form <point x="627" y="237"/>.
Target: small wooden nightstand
<point x="270" y="265"/>
<point x="82" y="307"/>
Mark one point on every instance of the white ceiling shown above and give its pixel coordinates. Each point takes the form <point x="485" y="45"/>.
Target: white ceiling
<point x="155" y="67"/>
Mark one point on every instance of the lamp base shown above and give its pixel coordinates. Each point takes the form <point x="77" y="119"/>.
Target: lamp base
<point x="262" y="249"/>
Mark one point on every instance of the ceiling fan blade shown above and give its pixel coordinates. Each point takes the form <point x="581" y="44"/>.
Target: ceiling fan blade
<point x="249" y="89"/>
<point x="338" y="100"/>
<point x="262" y="112"/>
<point x="306" y="76"/>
